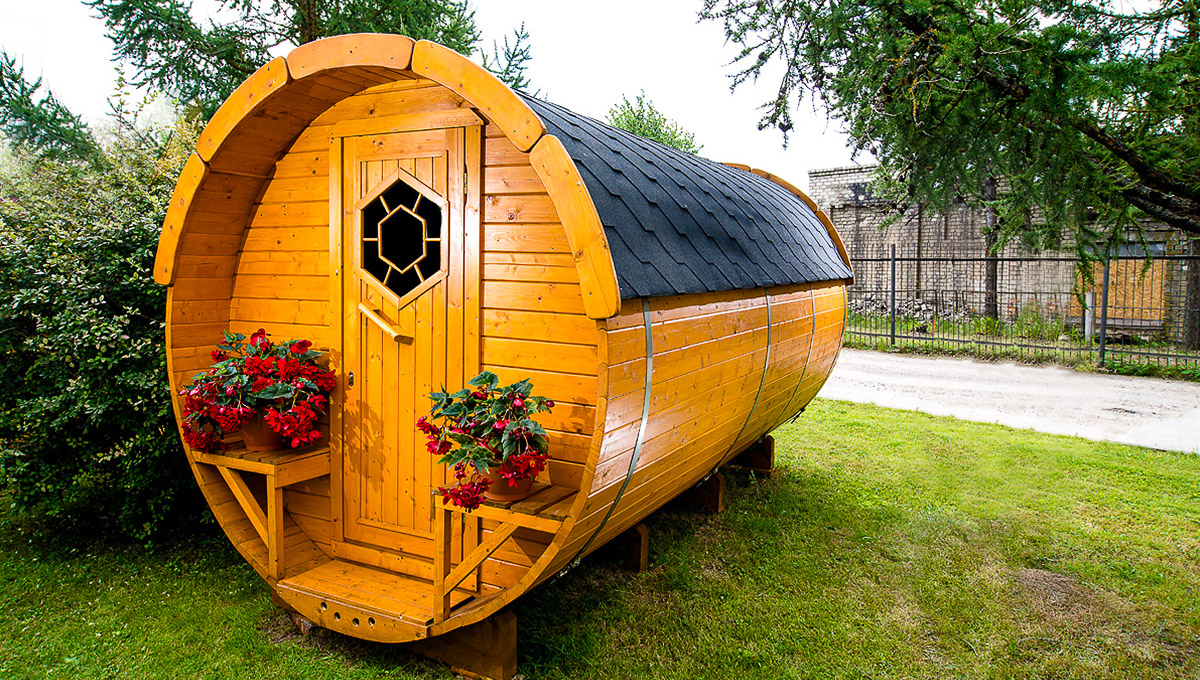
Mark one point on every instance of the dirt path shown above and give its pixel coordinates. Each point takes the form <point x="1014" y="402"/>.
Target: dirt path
<point x="1162" y="414"/>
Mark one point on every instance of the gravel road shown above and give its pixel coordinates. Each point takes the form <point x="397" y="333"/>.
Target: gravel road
<point x="1161" y="414"/>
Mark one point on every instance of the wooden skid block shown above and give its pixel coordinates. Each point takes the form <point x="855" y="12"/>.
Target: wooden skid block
<point x="630" y="550"/>
<point x="707" y="496"/>
<point x="760" y="457"/>
<point x="487" y="649"/>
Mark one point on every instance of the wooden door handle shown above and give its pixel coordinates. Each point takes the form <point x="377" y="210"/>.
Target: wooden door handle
<point x="394" y="333"/>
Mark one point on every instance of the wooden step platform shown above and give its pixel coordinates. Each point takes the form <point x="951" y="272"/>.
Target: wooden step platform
<point x="363" y="601"/>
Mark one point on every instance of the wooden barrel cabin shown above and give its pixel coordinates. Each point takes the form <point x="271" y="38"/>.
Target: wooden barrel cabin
<point x="676" y="309"/>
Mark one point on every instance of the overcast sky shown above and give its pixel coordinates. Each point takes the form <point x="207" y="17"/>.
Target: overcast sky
<point x="585" y="58"/>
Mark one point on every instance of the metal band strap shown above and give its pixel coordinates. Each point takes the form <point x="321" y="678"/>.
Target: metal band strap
<point x="641" y="436"/>
<point x="762" y="382"/>
<point x="812" y="334"/>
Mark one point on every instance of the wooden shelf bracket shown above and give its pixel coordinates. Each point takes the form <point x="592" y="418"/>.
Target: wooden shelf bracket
<point x="279" y="469"/>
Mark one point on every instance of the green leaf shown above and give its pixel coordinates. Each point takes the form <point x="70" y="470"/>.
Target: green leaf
<point x="276" y="391"/>
<point x="485" y="379"/>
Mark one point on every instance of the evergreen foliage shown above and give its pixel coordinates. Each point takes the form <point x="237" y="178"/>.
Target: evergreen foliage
<point x="1087" y="109"/>
<point x="641" y="118"/>
<point x="40" y="124"/>
<point x="86" y="428"/>
<point x="199" y="65"/>
<point x="202" y="64"/>
<point x="509" y="64"/>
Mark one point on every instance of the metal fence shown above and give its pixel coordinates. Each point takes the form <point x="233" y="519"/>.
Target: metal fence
<point x="1130" y="309"/>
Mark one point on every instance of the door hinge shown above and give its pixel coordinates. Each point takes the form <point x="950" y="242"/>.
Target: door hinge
<point x="350" y="379"/>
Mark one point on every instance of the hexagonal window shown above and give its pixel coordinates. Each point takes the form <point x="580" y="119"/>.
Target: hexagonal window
<point x="401" y="238"/>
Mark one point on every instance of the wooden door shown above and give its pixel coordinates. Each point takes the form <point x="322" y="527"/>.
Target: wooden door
<point x="407" y="260"/>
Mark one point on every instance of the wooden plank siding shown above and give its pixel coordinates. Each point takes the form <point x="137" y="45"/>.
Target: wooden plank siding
<point x="259" y="252"/>
<point x="710" y="352"/>
<point x="533" y="322"/>
<point x="274" y="269"/>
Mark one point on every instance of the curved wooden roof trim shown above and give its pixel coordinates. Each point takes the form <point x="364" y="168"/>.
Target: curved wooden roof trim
<point x="474" y="83"/>
<point x="585" y="233"/>
<point x="248" y="97"/>
<point x="195" y="171"/>
<point x="342" y="51"/>
<point x="833" y="234"/>
<point x="485" y="92"/>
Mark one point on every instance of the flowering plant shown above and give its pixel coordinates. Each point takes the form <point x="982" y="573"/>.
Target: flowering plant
<point x="283" y="381"/>
<point x="486" y="426"/>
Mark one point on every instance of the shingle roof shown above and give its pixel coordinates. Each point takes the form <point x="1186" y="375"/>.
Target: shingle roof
<point x="677" y="223"/>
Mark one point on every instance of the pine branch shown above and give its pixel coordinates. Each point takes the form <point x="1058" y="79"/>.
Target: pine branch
<point x="42" y="125"/>
<point x="509" y="64"/>
<point x="171" y="52"/>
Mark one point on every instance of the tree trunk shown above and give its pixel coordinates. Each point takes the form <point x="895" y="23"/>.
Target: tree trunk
<point x="920" y="223"/>
<point x="1191" y="310"/>
<point x="308" y="23"/>
<point x="991" y="276"/>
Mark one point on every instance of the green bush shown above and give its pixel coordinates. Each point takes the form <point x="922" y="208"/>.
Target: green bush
<point x="86" y="429"/>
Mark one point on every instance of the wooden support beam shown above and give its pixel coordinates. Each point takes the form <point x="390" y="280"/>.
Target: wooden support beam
<point x="472" y="561"/>
<point x="487" y="649"/>
<point x="274" y="519"/>
<point x="258" y="518"/>
<point x="630" y="550"/>
<point x="707" y="496"/>
<point x="441" y="564"/>
<point x="759" y="458"/>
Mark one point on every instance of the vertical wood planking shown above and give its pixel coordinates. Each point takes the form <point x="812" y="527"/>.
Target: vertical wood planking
<point x="424" y="369"/>
<point x="390" y="478"/>
<point x="410" y="406"/>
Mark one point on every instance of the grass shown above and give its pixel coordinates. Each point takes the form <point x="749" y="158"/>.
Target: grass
<point x="888" y="544"/>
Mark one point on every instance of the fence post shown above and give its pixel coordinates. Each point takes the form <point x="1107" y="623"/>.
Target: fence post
<point x="1104" y="313"/>
<point x="892" y="301"/>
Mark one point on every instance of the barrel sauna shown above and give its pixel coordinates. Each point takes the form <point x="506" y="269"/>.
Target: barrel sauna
<point x="676" y="309"/>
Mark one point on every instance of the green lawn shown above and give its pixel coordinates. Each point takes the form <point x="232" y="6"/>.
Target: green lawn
<point x="889" y="544"/>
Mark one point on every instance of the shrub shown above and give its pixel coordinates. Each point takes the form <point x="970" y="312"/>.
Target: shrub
<point x="86" y="428"/>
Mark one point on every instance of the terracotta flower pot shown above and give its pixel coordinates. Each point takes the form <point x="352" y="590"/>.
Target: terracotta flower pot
<point x="258" y="436"/>
<point x="499" y="489"/>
